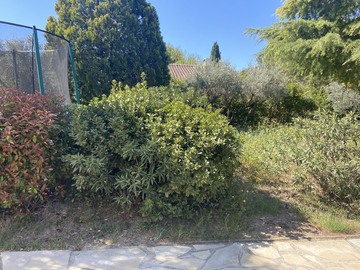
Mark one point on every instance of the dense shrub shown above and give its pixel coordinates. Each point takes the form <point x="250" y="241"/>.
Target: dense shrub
<point x="333" y="155"/>
<point x="63" y="144"/>
<point x="322" y="155"/>
<point x="224" y="88"/>
<point x="26" y="147"/>
<point x="264" y="83"/>
<point x="270" y="96"/>
<point x="257" y="94"/>
<point x="297" y="102"/>
<point x="342" y="99"/>
<point x="148" y="145"/>
<point x="220" y="82"/>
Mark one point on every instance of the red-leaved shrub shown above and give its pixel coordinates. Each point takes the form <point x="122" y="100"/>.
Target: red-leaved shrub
<point x="25" y="146"/>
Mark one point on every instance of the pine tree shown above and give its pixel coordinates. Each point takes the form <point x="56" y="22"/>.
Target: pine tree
<point x="112" y="40"/>
<point x="215" y="55"/>
<point x="318" y="40"/>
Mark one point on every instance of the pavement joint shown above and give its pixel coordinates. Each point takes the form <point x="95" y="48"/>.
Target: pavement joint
<point x="71" y="260"/>
<point x="355" y="243"/>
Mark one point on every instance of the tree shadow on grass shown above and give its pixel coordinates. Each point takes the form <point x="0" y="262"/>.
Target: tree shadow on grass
<point x="273" y="218"/>
<point x="246" y="214"/>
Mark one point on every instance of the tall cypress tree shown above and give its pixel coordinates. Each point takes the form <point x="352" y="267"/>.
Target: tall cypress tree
<point x="112" y="40"/>
<point x="215" y="55"/>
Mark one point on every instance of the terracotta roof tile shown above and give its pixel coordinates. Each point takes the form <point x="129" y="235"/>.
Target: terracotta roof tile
<point x="181" y="71"/>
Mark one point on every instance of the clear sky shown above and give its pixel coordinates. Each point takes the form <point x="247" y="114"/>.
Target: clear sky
<point x="192" y="25"/>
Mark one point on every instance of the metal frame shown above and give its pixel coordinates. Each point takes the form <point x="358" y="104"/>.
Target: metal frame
<point x="38" y="62"/>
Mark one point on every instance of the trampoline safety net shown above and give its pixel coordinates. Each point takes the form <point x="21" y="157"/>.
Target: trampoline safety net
<point x="19" y="66"/>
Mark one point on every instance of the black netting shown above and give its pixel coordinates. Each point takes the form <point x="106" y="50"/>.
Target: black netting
<point x="54" y="63"/>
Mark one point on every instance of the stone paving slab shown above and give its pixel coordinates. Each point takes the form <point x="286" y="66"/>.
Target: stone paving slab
<point x="331" y="254"/>
<point x="107" y="259"/>
<point x="35" y="260"/>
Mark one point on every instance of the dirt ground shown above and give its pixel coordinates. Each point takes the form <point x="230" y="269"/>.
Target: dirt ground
<point x="75" y="225"/>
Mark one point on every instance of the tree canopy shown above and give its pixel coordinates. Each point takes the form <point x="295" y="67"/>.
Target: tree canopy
<point x="178" y="56"/>
<point x="316" y="39"/>
<point x="112" y="40"/>
<point x="215" y="55"/>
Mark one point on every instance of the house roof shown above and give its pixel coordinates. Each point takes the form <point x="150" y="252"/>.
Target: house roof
<point x="181" y="71"/>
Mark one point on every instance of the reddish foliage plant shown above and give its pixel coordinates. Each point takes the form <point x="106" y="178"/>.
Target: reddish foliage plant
<point x="25" y="124"/>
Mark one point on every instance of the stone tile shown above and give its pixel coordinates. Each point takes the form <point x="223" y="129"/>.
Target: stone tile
<point x="333" y="256"/>
<point x="202" y="254"/>
<point x="250" y="260"/>
<point x="235" y="268"/>
<point x="318" y="246"/>
<point x="162" y="253"/>
<point x="352" y="266"/>
<point x="108" y="259"/>
<point x="224" y="257"/>
<point x="245" y="268"/>
<point x="329" y="250"/>
<point x="311" y="258"/>
<point x="184" y="263"/>
<point x="153" y="265"/>
<point x="355" y="242"/>
<point x="297" y="260"/>
<point x="36" y="260"/>
<point x="157" y="267"/>
<point x="264" y="250"/>
<point x="283" y="246"/>
<point x="209" y="246"/>
<point x="332" y="265"/>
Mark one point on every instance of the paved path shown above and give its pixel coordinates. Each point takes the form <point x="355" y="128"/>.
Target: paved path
<point x="328" y="254"/>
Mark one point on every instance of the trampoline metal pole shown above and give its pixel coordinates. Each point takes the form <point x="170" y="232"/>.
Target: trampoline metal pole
<point x="15" y="69"/>
<point x="74" y="74"/>
<point x="38" y="62"/>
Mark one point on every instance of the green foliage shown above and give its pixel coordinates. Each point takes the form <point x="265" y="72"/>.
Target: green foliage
<point x="316" y="40"/>
<point x="322" y="155"/>
<point x="215" y="55"/>
<point x="178" y="56"/>
<point x="63" y="145"/>
<point x="259" y="93"/>
<point x="219" y="82"/>
<point x="296" y="101"/>
<point x="28" y="135"/>
<point x="111" y="40"/>
<point x="343" y="100"/>
<point x="312" y="9"/>
<point x="333" y="155"/>
<point x="264" y="83"/>
<point x="264" y="87"/>
<point x="153" y="145"/>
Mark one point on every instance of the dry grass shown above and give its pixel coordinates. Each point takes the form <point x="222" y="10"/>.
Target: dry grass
<point x="271" y="209"/>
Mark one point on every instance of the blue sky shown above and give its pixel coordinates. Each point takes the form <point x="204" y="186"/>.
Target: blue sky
<point x="192" y="25"/>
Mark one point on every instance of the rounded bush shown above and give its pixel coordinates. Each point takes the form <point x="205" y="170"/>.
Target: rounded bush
<point x="149" y="145"/>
